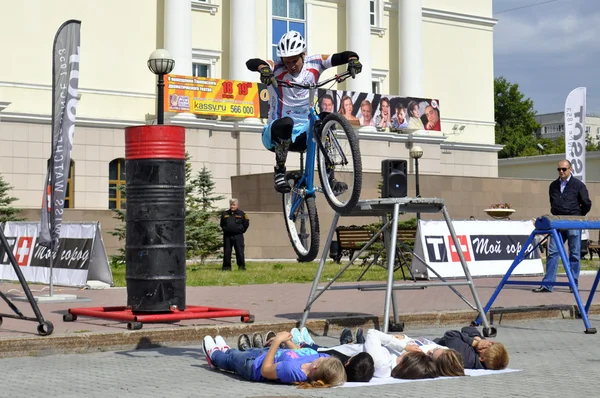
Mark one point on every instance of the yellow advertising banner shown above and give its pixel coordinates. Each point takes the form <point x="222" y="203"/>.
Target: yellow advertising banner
<point x="206" y="96"/>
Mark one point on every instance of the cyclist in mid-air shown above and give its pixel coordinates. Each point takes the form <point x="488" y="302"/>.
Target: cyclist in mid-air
<point x="289" y="107"/>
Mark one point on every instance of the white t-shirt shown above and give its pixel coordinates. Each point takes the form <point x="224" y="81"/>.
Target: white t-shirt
<point x="293" y="102"/>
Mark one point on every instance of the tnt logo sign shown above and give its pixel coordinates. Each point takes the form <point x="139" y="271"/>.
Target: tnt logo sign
<point x="464" y="247"/>
<point x="3" y="254"/>
<point x="436" y="249"/>
<point x="24" y="248"/>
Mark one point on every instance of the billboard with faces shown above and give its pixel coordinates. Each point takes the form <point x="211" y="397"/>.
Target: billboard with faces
<point x="384" y="112"/>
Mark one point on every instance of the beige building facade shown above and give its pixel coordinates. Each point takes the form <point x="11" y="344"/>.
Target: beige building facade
<point x="207" y="37"/>
<point x="453" y="63"/>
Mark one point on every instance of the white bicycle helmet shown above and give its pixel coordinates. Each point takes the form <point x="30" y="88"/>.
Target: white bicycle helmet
<point x="292" y="43"/>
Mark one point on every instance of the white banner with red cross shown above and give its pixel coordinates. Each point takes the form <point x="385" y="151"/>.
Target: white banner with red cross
<point x="79" y="256"/>
<point x="489" y="249"/>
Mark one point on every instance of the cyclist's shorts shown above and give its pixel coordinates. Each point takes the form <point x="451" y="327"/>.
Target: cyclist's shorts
<point x="297" y="131"/>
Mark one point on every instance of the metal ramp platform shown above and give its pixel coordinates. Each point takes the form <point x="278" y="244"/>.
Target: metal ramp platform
<point x="388" y="209"/>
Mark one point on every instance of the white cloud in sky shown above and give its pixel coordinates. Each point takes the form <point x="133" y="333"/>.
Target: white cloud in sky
<point x="550" y="34"/>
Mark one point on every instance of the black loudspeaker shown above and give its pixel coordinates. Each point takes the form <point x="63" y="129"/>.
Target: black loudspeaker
<point x="394" y="178"/>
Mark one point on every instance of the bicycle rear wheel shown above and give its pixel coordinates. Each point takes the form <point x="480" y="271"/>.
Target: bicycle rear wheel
<point x="343" y="162"/>
<point x="303" y="226"/>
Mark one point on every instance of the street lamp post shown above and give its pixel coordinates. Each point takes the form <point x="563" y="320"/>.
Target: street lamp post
<point x="416" y="153"/>
<point x="161" y="64"/>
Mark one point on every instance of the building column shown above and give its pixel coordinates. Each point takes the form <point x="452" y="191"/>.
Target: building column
<point x="242" y="39"/>
<point x="178" y="35"/>
<point x="358" y="39"/>
<point x="410" y="29"/>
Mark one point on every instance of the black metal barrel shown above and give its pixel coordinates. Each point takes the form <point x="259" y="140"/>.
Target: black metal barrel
<point x="155" y="239"/>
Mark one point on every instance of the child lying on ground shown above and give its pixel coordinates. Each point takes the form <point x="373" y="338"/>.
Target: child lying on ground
<point x="304" y="367"/>
<point x="477" y="352"/>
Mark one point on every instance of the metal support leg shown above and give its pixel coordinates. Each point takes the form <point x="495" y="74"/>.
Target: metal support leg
<point x="315" y="283"/>
<point x="465" y="268"/>
<point x="390" y="279"/>
<point x="567" y="266"/>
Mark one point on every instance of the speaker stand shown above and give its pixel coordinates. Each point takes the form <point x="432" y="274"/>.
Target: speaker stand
<point x="390" y="208"/>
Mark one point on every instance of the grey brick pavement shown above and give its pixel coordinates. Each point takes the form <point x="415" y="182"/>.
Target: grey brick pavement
<point x="556" y="357"/>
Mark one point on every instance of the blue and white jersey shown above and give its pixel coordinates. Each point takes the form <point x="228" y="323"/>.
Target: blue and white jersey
<point x="293" y="102"/>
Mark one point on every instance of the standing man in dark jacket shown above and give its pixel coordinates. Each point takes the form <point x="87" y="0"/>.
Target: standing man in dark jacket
<point x="234" y="223"/>
<point x="568" y="197"/>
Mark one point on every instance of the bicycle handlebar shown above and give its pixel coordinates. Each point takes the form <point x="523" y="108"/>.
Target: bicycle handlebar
<point x="338" y="78"/>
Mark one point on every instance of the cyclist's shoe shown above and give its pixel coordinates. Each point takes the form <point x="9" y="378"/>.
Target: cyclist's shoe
<point x="338" y="187"/>
<point x="281" y="184"/>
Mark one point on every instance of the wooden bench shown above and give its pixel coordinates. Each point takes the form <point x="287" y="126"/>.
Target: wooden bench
<point x="353" y="238"/>
<point x="594" y="247"/>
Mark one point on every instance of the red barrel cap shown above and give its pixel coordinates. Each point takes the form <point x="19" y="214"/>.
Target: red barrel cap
<point x="155" y="142"/>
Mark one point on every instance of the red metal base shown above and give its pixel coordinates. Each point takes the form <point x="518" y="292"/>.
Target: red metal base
<point x="123" y="313"/>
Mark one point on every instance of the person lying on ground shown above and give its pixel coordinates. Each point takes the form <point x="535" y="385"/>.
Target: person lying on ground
<point x="358" y="368"/>
<point x="477" y="352"/>
<point x="303" y="367"/>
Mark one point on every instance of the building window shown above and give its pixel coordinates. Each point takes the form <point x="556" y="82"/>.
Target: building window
<point x="287" y="15"/>
<point x="69" y="197"/>
<point x="378" y="76"/>
<point x="376" y="17"/>
<point x="200" y="70"/>
<point x="375" y="87"/>
<point x="204" y="63"/>
<point x="116" y="179"/>
<point x="372" y="14"/>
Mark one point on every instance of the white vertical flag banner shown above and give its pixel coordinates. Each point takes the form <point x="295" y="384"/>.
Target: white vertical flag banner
<point x="575" y="131"/>
<point x="575" y="135"/>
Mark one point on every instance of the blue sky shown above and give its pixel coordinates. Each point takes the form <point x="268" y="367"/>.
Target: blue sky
<point x="549" y="49"/>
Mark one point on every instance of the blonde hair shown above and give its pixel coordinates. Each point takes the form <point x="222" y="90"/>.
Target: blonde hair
<point x="450" y="363"/>
<point x="329" y="373"/>
<point x="495" y="357"/>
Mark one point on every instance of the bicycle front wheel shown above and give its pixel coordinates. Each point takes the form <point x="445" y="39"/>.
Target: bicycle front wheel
<point x="302" y="226"/>
<point x="340" y="169"/>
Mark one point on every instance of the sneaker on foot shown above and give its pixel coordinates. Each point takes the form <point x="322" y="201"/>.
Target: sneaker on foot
<point x="346" y="336"/>
<point x="257" y="340"/>
<point x="306" y="336"/>
<point x="296" y="337"/>
<point x="360" y="337"/>
<point x="221" y="344"/>
<point x="270" y="334"/>
<point x="281" y="184"/>
<point x="244" y="342"/>
<point x="209" y="346"/>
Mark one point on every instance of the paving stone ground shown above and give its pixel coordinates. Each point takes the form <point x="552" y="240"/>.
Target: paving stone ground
<point x="556" y="359"/>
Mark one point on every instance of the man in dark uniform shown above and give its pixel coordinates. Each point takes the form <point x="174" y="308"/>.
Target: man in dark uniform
<point x="568" y="197"/>
<point x="234" y="223"/>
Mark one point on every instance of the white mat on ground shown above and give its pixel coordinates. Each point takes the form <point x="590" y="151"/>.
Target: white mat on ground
<point x="390" y="380"/>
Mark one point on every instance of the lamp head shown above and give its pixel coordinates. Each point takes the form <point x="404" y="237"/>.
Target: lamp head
<point x="160" y="62"/>
<point x="461" y="128"/>
<point x="416" y="152"/>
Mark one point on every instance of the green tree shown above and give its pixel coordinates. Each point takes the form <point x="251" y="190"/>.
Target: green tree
<point x="7" y="212"/>
<point x="119" y="231"/>
<point x="590" y="146"/>
<point x="203" y="233"/>
<point x="515" y="119"/>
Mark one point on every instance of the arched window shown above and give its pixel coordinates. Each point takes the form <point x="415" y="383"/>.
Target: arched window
<point x="69" y="194"/>
<point x="116" y="179"/>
